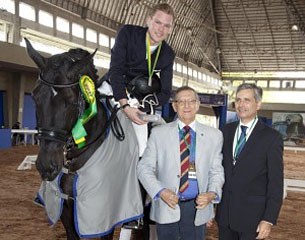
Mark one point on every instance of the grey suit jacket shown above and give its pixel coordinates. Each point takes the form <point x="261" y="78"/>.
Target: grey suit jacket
<point x="160" y="168"/>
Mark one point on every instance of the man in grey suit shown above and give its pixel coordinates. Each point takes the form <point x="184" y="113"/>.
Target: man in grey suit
<point x="181" y="210"/>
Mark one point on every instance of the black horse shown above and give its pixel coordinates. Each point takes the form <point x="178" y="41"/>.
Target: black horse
<point x="60" y="102"/>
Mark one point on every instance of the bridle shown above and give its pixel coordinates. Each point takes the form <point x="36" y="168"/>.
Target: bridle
<point x="68" y="85"/>
<point x="54" y="134"/>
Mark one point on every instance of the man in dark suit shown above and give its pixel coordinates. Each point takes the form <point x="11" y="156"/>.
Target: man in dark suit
<point x="253" y="163"/>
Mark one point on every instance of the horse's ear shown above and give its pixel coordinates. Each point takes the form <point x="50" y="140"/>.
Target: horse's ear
<point x="92" y="54"/>
<point x="36" y="57"/>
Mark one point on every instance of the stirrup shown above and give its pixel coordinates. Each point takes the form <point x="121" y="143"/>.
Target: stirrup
<point x="136" y="224"/>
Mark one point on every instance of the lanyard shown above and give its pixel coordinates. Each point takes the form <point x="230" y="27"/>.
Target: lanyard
<point x="238" y="142"/>
<point x="151" y="69"/>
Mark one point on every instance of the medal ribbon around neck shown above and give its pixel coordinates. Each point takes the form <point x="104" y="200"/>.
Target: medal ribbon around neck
<point x="151" y="69"/>
<point x="88" y="89"/>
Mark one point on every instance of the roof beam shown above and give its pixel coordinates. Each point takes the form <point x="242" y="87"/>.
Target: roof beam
<point x="252" y="35"/>
<point x="271" y="32"/>
<point x="234" y="35"/>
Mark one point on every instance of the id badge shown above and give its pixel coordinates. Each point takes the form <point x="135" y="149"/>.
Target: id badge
<point x="192" y="174"/>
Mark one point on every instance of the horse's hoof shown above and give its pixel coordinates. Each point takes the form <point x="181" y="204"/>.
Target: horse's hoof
<point x="137" y="225"/>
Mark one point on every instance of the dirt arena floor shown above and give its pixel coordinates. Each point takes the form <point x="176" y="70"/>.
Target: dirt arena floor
<point x="21" y="219"/>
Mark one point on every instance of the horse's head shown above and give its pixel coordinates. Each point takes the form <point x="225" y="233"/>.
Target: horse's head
<point x="58" y="103"/>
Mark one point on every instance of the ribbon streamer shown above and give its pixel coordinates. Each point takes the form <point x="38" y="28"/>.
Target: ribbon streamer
<point x="88" y="90"/>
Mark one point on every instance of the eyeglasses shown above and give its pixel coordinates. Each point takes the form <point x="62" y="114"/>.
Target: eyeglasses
<point x="190" y="102"/>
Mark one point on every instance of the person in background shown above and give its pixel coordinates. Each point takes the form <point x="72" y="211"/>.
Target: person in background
<point x="17" y="137"/>
<point x="139" y="54"/>
<point x="182" y="172"/>
<point x="253" y="164"/>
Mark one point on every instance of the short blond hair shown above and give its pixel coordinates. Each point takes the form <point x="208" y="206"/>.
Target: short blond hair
<point x="163" y="7"/>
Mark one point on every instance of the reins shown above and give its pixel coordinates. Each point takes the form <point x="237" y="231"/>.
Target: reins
<point x="115" y="125"/>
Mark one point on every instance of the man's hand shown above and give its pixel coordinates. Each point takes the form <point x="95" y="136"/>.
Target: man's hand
<point x="169" y="197"/>
<point x="263" y="229"/>
<point x="204" y="199"/>
<point x="131" y="113"/>
<point x="210" y="223"/>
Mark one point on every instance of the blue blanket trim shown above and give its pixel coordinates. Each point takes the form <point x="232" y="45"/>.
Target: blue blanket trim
<point x="110" y="230"/>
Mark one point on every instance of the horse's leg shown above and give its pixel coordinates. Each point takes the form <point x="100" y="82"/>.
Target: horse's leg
<point x="68" y="220"/>
<point x="67" y="216"/>
<point x="108" y="237"/>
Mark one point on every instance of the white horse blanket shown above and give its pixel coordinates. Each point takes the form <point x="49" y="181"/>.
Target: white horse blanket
<point x="106" y="188"/>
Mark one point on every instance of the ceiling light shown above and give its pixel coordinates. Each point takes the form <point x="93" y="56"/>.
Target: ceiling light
<point x="294" y="27"/>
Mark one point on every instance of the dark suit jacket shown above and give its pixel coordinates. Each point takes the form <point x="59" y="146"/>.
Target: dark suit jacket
<point x="253" y="188"/>
<point x="128" y="60"/>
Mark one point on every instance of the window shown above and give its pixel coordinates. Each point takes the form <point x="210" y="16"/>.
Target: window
<point x="287" y="84"/>
<point x="179" y="67"/>
<point x="262" y="84"/>
<point x="208" y="78"/>
<point x="104" y="40"/>
<point x="2" y="36"/>
<point x="8" y="5"/>
<point x="175" y="66"/>
<point x="250" y="81"/>
<point x="45" y="18"/>
<point x="77" y="30"/>
<point x="300" y="84"/>
<point x="91" y="35"/>
<point x="190" y="72"/>
<point x="184" y="69"/>
<point x="274" y="84"/>
<point x="204" y="77"/>
<point x="200" y="76"/>
<point x="112" y="41"/>
<point x="62" y="25"/>
<point x="27" y="11"/>
<point x="237" y="83"/>
<point x="195" y="74"/>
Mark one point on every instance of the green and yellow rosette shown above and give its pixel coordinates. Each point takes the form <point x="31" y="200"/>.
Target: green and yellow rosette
<point x="88" y="89"/>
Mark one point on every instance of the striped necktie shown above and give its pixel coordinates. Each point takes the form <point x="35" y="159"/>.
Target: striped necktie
<point x="241" y="141"/>
<point x="185" y="142"/>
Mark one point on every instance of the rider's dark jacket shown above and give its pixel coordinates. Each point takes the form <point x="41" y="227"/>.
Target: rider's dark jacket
<point x="128" y="60"/>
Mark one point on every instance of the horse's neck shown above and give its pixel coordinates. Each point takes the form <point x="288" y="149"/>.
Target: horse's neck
<point x="95" y="136"/>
